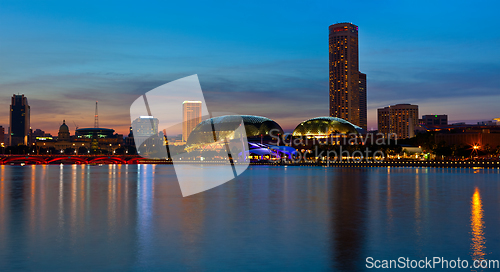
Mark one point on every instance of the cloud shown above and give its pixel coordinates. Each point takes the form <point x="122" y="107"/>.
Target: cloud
<point x="288" y="91"/>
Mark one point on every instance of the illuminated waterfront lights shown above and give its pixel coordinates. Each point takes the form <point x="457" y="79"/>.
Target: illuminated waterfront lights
<point x="477" y="227"/>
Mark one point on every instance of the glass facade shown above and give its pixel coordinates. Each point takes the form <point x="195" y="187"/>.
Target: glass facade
<point x="19" y="120"/>
<point x="325" y="126"/>
<point x="191" y="116"/>
<point x="400" y="120"/>
<point x="255" y="127"/>
<point x="344" y="72"/>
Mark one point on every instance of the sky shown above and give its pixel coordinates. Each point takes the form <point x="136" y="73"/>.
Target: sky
<point x="251" y="57"/>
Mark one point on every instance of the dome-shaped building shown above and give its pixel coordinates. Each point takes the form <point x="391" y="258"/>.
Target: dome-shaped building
<point x="225" y="126"/>
<point x="63" y="134"/>
<point x="325" y="126"/>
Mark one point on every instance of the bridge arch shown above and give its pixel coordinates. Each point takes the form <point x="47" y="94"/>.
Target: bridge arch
<point x="68" y="158"/>
<point x="24" y="159"/>
<point x="108" y="159"/>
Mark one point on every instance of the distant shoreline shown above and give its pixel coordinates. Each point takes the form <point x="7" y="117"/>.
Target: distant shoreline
<point x="433" y="164"/>
<point x="108" y="160"/>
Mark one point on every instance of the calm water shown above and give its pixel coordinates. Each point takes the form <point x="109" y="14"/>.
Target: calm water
<point x="133" y="218"/>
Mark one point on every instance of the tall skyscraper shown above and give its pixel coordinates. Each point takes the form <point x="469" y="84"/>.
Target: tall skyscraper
<point x="345" y="93"/>
<point x="19" y="120"/>
<point x="191" y="116"/>
<point x="400" y="120"/>
<point x="2" y="135"/>
<point x="363" y="112"/>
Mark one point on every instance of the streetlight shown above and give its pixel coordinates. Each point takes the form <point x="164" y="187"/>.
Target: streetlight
<point x="475" y="148"/>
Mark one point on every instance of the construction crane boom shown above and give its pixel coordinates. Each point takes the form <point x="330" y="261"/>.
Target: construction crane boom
<point x="96" y="120"/>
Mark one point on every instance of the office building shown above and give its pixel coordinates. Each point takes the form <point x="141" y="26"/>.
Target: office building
<point x="434" y="120"/>
<point x="468" y="135"/>
<point x="2" y="135"/>
<point x="19" y="120"/>
<point x="363" y="111"/>
<point x="399" y="120"/>
<point x="191" y="116"/>
<point x="37" y="133"/>
<point x="487" y="123"/>
<point x="144" y="126"/>
<point x="347" y="99"/>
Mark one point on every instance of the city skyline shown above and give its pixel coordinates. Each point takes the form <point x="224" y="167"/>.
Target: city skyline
<point x="65" y="59"/>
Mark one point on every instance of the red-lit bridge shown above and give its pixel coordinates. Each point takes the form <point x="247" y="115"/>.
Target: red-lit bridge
<point x="74" y="159"/>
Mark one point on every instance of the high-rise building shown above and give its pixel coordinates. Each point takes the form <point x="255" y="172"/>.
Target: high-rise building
<point x="144" y="126"/>
<point x="2" y="135"/>
<point x="19" y="120"/>
<point x="400" y="120"/>
<point x="434" y="120"/>
<point x="345" y="93"/>
<point x="363" y="111"/>
<point x="191" y="116"/>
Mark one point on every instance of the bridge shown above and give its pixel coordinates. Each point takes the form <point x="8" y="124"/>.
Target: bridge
<point x="74" y="159"/>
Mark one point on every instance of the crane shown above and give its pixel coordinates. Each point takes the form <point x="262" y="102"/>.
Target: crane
<point x="96" y="120"/>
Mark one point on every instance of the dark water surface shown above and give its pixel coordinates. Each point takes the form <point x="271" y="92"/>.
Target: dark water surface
<point x="133" y="218"/>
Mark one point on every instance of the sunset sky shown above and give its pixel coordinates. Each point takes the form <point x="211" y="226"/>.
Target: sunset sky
<point x="251" y="57"/>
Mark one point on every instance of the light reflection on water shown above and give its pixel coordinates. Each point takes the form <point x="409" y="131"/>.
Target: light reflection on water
<point x="133" y="217"/>
<point x="477" y="224"/>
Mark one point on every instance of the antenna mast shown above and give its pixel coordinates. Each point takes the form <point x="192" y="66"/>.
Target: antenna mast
<point x="96" y="120"/>
<point x="76" y="126"/>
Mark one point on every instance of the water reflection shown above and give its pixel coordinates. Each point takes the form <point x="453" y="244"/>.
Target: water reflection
<point x="477" y="225"/>
<point x="349" y="218"/>
<point x="133" y="217"/>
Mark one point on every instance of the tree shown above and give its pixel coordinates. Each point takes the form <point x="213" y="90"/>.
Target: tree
<point x="69" y="151"/>
<point x="131" y="150"/>
<point x="18" y="149"/>
<point x="454" y="148"/>
<point x="82" y="150"/>
<point x="120" y="151"/>
<point x="488" y="150"/>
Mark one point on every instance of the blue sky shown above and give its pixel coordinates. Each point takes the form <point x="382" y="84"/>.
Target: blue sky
<point x="259" y="58"/>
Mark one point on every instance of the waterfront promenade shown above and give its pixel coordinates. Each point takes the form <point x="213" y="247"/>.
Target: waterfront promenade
<point x="134" y="159"/>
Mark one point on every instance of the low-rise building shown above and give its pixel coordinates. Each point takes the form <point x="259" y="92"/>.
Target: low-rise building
<point x="85" y="141"/>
